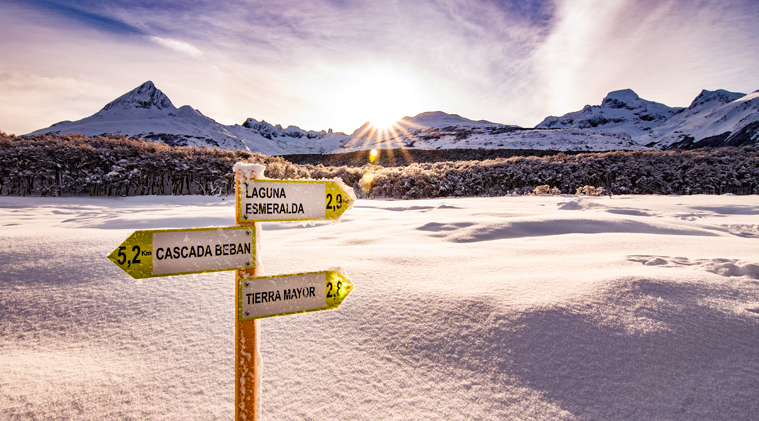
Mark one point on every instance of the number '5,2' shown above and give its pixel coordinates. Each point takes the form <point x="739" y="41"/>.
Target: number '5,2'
<point x="123" y="257"/>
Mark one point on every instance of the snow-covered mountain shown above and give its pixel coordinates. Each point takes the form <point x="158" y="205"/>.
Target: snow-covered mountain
<point x="148" y="113"/>
<point x="622" y="121"/>
<point x="714" y="118"/>
<point x="620" y="112"/>
<point x="261" y="136"/>
<point x="438" y="130"/>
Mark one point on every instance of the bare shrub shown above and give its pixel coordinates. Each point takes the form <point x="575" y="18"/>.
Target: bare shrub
<point x="589" y="191"/>
<point x="543" y="190"/>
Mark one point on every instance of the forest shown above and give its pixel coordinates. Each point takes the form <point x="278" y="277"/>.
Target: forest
<point x="112" y="165"/>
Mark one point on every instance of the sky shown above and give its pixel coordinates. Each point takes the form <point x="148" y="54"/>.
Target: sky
<point x="337" y="63"/>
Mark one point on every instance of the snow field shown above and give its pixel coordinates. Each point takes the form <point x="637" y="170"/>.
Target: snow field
<point x="631" y="307"/>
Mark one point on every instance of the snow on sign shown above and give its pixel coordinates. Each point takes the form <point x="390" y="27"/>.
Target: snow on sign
<point x="292" y="200"/>
<point x="289" y="294"/>
<point x="151" y="253"/>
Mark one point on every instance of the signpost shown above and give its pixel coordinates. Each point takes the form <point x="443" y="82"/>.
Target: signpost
<point x="292" y="200"/>
<point x="151" y="253"/>
<point x="147" y="254"/>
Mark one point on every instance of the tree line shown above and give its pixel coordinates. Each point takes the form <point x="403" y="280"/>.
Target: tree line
<point x="703" y="171"/>
<point x="114" y="165"/>
<point x="74" y="165"/>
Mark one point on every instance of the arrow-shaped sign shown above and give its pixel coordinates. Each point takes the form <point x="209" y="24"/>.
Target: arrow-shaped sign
<point x="147" y="254"/>
<point x="289" y="294"/>
<point x="292" y="200"/>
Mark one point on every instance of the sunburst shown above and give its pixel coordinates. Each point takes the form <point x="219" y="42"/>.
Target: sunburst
<point x="375" y="140"/>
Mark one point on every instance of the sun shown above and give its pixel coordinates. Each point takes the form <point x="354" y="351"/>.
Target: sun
<point x="382" y="93"/>
<point x="383" y="122"/>
<point x="378" y="93"/>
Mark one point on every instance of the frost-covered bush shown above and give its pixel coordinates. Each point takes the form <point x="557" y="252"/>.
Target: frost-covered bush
<point x="703" y="171"/>
<point x="589" y="191"/>
<point x="72" y="165"/>
<point x="546" y="190"/>
<point x="55" y="165"/>
<point x="543" y="190"/>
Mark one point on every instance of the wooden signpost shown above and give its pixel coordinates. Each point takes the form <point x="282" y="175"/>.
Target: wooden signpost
<point x="151" y="253"/>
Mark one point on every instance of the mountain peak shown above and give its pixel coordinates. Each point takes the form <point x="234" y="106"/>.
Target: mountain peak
<point x="145" y="96"/>
<point x="441" y="119"/>
<point x="620" y="99"/>
<point x="720" y="95"/>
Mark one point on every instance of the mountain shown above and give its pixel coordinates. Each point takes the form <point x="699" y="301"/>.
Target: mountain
<point x="265" y="138"/>
<point x="714" y="118"/>
<point x="620" y="112"/>
<point x="623" y="120"/>
<point x="148" y="113"/>
<point x="438" y="130"/>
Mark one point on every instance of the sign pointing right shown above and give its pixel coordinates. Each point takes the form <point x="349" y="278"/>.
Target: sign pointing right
<point x="292" y="200"/>
<point x="290" y="294"/>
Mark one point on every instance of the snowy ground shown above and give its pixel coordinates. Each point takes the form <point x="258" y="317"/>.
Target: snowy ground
<point x="631" y="307"/>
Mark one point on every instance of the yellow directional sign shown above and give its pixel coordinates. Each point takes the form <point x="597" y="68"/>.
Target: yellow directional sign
<point x="292" y="200"/>
<point x="147" y="254"/>
<point x="290" y="294"/>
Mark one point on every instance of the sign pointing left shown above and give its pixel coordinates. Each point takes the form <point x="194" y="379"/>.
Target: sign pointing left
<point x="152" y="253"/>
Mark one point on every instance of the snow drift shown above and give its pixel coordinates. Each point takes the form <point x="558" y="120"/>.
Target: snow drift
<point x="632" y="307"/>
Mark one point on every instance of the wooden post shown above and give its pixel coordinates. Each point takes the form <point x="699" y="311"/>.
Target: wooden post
<point x="247" y="363"/>
<point x="247" y="357"/>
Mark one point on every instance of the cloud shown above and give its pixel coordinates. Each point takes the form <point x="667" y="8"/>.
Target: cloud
<point x="470" y="55"/>
<point x="45" y="96"/>
<point x="666" y="51"/>
<point x="176" y="45"/>
<point x="304" y="62"/>
<point x="83" y="17"/>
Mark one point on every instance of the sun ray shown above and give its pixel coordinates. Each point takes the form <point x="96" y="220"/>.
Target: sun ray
<point x="375" y="141"/>
<point x="404" y="151"/>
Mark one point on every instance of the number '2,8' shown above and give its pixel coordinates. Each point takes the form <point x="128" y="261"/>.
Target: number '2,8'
<point x="330" y="294"/>
<point x="338" y="202"/>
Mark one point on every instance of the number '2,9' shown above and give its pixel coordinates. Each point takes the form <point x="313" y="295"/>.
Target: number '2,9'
<point x="338" y="202"/>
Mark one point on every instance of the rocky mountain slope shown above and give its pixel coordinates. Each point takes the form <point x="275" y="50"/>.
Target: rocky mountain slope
<point x="623" y="120"/>
<point x="148" y="113"/>
<point x="714" y="118"/>
<point x="438" y="130"/>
